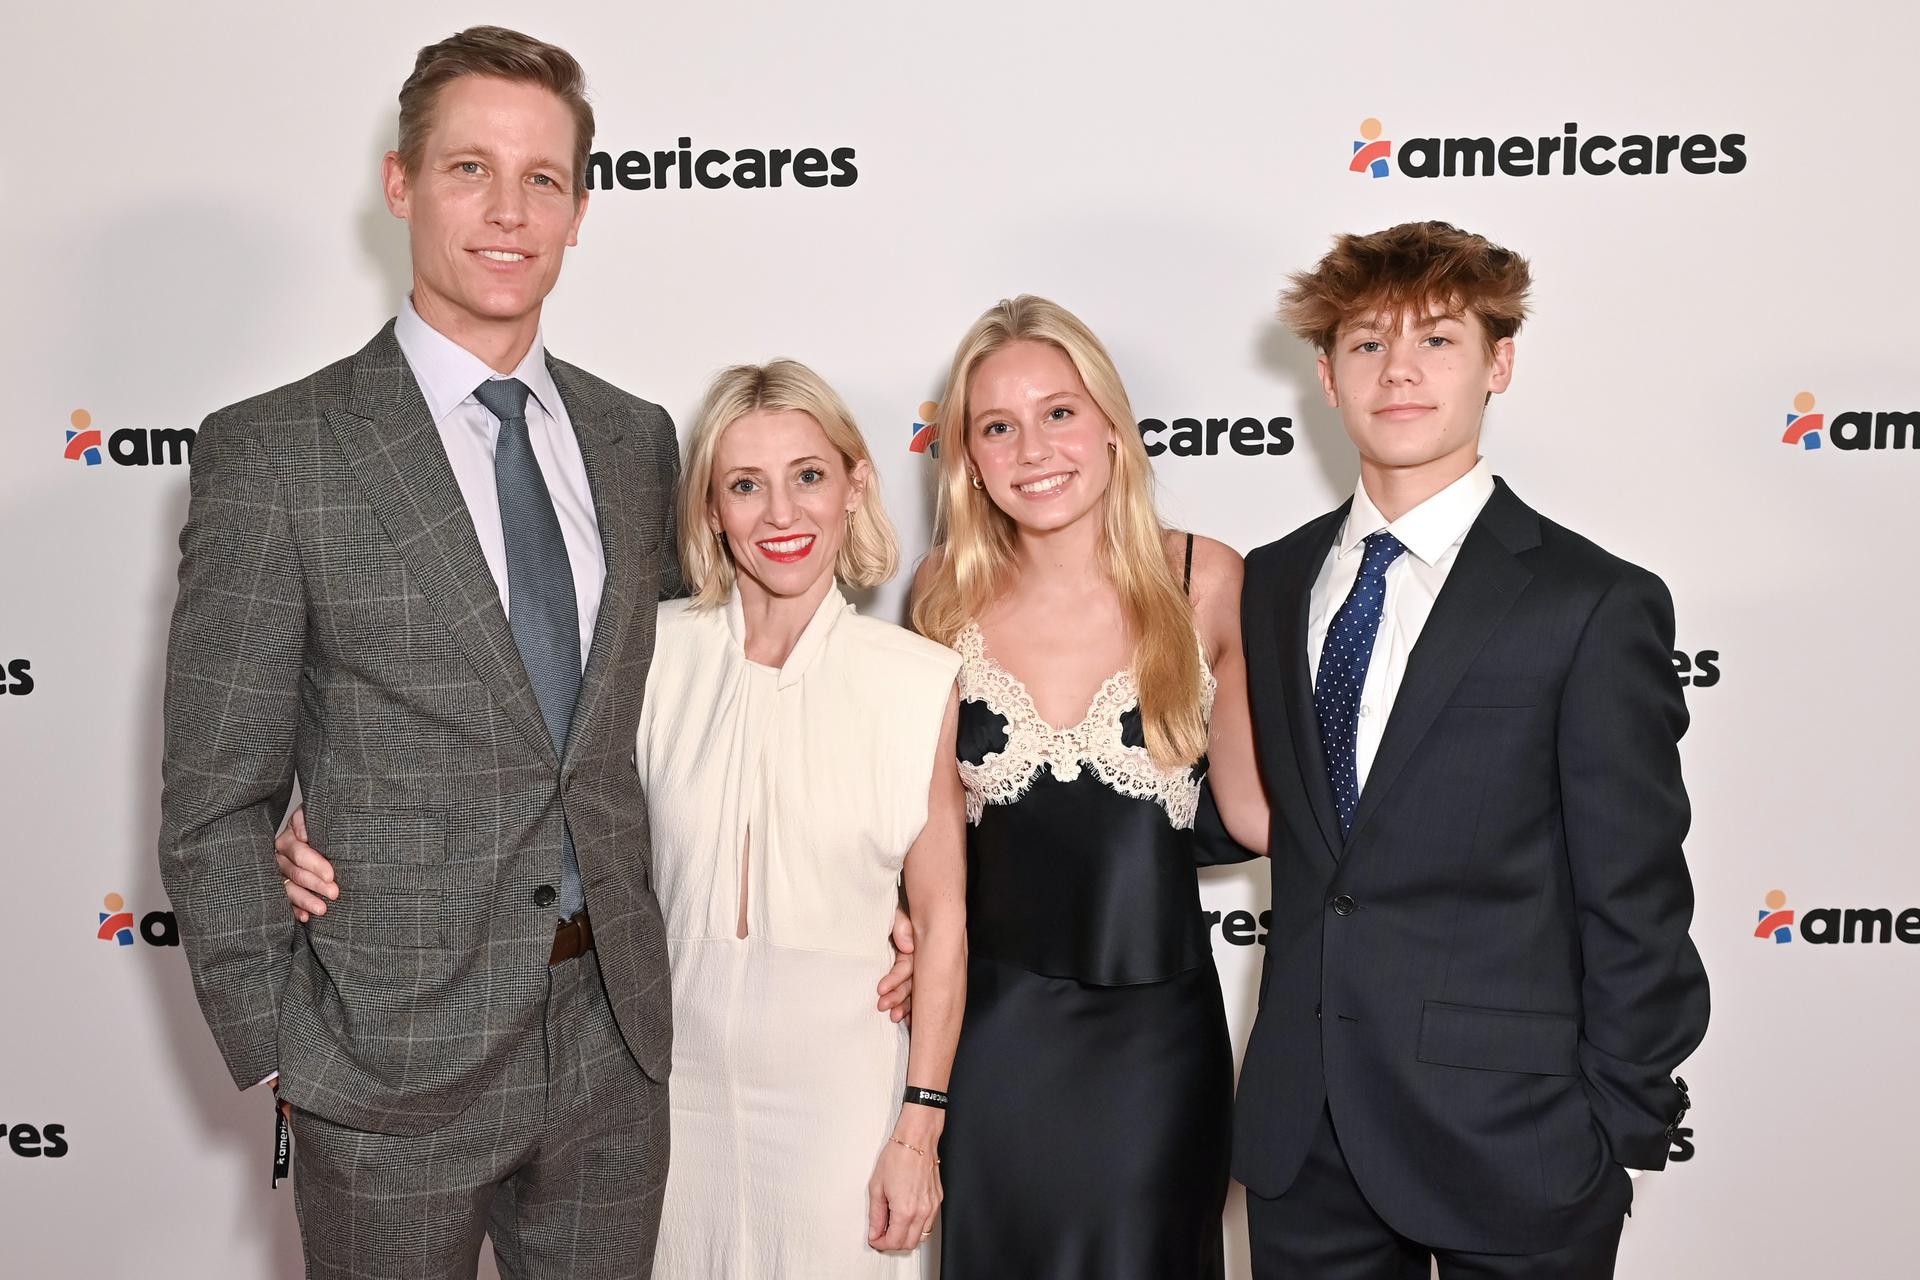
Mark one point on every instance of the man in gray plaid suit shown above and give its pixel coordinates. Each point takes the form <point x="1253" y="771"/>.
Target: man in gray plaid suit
<point x="422" y="581"/>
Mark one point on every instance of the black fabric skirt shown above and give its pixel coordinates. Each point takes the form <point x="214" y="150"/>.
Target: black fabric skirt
<point x="1089" y="1130"/>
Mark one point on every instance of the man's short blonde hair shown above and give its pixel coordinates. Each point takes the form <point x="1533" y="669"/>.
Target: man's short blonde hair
<point x="504" y="55"/>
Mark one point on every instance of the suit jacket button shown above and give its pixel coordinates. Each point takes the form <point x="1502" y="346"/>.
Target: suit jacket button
<point x="544" y="895"/>
<point x="1344" y="905"/>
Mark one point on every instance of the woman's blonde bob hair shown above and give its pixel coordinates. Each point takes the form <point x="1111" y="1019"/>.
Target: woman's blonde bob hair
<point x="868" y="554"/>
<point x="973" y="559"/>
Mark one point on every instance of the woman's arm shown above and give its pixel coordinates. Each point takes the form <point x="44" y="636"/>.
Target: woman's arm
<point x="904" y="1193"/>
<point x="1231" y="765"/>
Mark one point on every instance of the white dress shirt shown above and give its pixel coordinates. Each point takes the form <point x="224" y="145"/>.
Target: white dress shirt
<point x="447" y="374"/>
<point x="1432" y="533"/>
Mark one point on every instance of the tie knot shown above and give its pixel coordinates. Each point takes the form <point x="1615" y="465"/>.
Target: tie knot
<point x="1382" y="550"/>
<point x="505" y="398"/>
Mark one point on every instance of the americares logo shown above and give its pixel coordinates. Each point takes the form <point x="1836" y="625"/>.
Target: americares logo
<point x="751" y="167"/>
<point x="129" y="446"/>
<point x="116" y="925"/>
<point x="926" y="432"/>
<point x="31" y="1141"/>
<point x="1371" y="152"/>
<point x="1203" y="437"/>
<point x="1803" y="424"/>
<point x="1546" y="155"/>
<point x="1182" y="437"/>
<point x="1776" y="919"/>
<point x="1701" y="669"/>
<point x="16" y="677"/>
<point x="1824" y="926"/>
<point x="1854" y="429"/>
<point x="1240" y="928"/>
<point x="116" y="922"/>
<point x="83" y="439"/>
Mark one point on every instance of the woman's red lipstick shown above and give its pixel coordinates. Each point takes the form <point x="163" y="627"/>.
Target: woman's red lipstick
<point x="789" y="550"/>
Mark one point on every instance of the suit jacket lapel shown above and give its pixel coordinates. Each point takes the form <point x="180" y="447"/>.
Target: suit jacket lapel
<point x="1294" y="601"/>
<point x="1481" y="587"/>
<point x="394" y="450"/>
<point x="598" y="428"/>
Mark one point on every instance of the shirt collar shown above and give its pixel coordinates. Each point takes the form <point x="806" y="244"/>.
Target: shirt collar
<point x="1431" y="528"/>
<point x="447" y="372"/>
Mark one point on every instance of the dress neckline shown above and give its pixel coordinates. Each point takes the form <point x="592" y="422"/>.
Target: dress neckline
<point x="1029" y="709"/>
<point x="1097" y="742"/>
<point x="806" y="650"/>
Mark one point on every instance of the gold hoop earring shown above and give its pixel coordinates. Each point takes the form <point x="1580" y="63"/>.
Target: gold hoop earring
<point x="974" y="480"/>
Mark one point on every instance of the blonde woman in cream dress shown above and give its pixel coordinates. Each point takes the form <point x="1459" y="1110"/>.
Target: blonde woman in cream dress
<point x="799" y="764"/>
<point x="800" y="771"/>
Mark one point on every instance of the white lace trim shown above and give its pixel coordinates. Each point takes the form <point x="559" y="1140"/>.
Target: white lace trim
<point x="1003" y="776"/>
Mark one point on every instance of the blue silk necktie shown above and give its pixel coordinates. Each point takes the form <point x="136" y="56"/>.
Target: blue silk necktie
<point x="1344" y="659"/>
<point x="541" y="607"/>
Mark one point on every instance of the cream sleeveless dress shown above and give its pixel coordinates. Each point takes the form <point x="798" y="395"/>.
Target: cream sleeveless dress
<point x="786" y="1080"/>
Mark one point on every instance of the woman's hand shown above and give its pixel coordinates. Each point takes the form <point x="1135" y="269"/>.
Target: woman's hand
<point x="304" y="874"/>
<point x="896" y="989"/>
<point x="904" y="1193"/>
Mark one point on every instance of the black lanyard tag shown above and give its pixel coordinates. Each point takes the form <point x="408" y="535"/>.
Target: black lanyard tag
<point x="282" y="1144"/>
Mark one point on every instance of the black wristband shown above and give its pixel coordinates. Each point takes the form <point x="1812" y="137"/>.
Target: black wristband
<point x="926" y="1097"/>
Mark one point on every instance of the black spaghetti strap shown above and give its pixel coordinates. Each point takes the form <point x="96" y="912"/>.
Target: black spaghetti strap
<point x="1186" y="574"/>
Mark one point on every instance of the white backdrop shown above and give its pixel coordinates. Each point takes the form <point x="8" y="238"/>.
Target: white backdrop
<point x="193" y="216"/>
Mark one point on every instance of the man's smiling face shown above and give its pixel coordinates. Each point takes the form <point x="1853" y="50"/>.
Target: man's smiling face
<point x="493" y="205"/>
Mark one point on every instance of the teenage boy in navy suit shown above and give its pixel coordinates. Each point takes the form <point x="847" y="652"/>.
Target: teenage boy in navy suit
<point x="1479" y="980"/>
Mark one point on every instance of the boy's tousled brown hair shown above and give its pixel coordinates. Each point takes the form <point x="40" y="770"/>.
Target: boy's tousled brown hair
<point x="1389" y="274"/>
<point x="504" y="55"/>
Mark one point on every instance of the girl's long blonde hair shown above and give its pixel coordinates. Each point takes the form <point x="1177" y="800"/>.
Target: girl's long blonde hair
<point x="972" y="562"/>
<point x="868" y="553"/>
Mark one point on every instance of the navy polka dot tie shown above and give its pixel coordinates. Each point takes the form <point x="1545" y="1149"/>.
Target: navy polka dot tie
<point x="1344" y="659"/>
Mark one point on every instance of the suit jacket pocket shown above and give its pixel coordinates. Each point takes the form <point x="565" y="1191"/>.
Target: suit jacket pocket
<point x="383" y="904"/>
<point x="1459" y="1035"/>
<point x="408" y="835"/>
<point x="392" y="868"/>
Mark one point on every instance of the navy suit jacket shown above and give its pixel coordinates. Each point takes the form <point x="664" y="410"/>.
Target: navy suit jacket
<point x="1489" y="982"/>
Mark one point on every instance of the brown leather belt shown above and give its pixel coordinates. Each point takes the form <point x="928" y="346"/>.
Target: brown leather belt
<point x="572" y="938"/>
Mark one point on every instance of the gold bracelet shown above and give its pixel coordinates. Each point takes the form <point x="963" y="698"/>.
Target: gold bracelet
<point x="917" y="1151"/>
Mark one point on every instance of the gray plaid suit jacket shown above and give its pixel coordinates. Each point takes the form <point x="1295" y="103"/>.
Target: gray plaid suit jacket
<point x="336" y="621"/>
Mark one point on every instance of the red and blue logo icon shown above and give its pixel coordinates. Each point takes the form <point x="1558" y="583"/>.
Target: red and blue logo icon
<point x="1803" y="424"/>
<point x="83" y="439"/>
<point x="118" y="925"/>
<point x="1776" y="920"/>
<point x="926" y="431"/>
<point x="1371" y="152"/>
<point x="116" y="922"/>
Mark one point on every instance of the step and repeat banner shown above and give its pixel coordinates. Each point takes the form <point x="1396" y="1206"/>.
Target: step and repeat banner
<point x="1721" y="381"/>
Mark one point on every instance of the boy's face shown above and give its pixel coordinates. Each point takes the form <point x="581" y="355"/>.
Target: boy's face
<point x="492" y="209"/>
<point x="1414" y="397"/>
